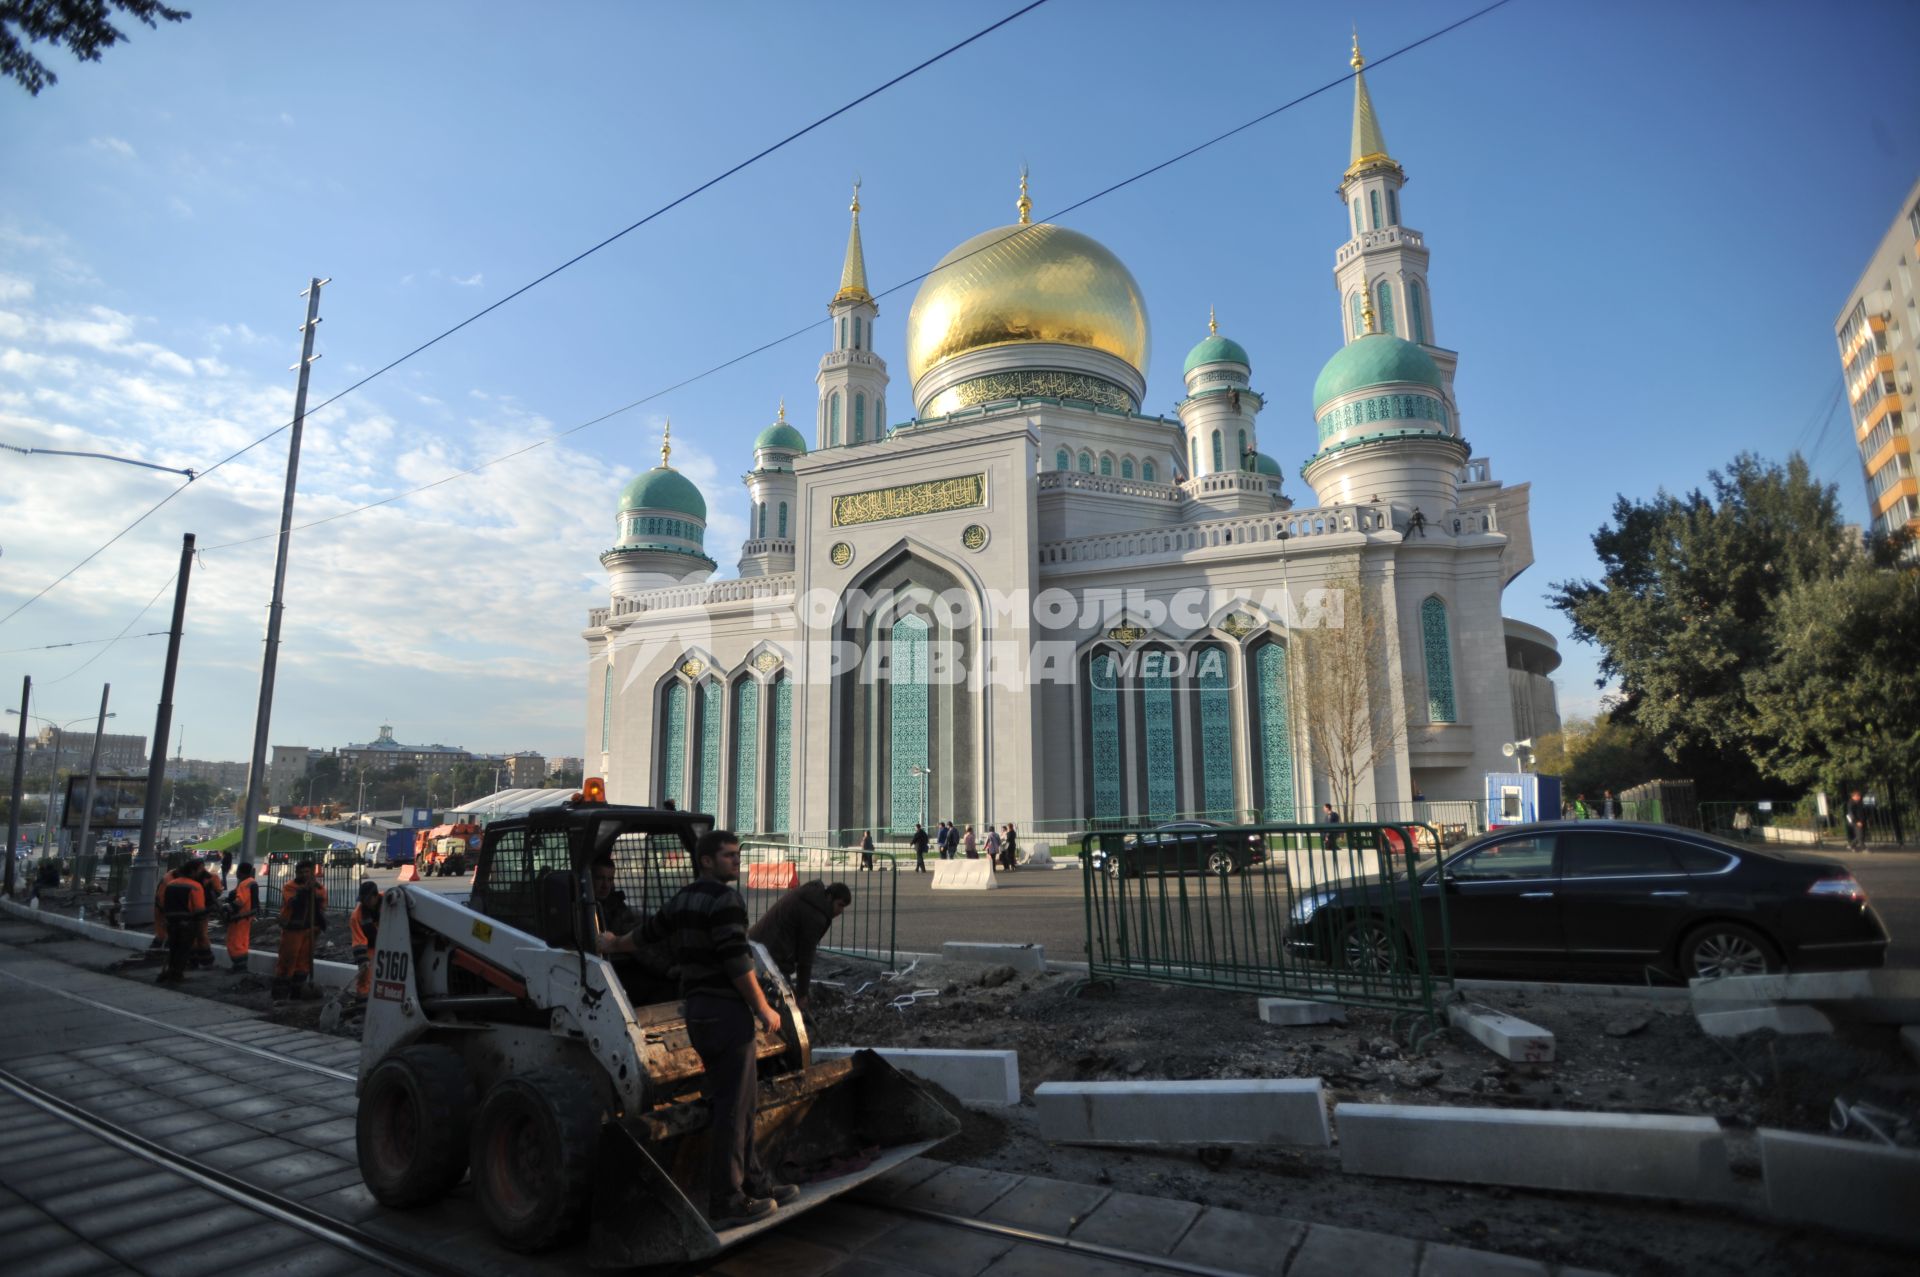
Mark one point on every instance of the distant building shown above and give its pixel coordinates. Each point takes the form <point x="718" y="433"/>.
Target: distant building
<point x="526" y="771"/>
<point x="287" y="767"/>
<point x="221" y="775"/>
<point x="1876" y="332"/>
<point x="384" y="754"/>
<point x="71" y="751"/>
<point x="566" y="766"/>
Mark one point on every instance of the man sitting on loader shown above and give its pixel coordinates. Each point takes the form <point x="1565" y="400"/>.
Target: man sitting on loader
<point x="706" y="925"/>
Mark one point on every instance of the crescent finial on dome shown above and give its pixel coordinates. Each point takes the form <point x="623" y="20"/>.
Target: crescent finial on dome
<point x="666" y="443"/>
<point x="1213" y="327"/>
<point x="1024" y="204"/>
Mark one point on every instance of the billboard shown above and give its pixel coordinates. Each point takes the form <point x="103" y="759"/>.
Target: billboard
<point x="118" y="801"/>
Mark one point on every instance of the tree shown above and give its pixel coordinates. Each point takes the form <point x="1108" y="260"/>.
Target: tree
<point x="81" y="25"/>
<point x="1681" y="611"/>
<point x="1593" y="755"/>
<point x="1840" y="705"/>
<point x="1354" y="718"/>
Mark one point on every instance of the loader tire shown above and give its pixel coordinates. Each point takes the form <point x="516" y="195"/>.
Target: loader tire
<point x="411" y="1126"/>
<point x="533" y="1150"/>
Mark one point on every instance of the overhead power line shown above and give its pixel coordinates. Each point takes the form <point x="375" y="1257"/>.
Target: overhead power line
<point x="711" y="182"/>
<point x="48" y="647"/>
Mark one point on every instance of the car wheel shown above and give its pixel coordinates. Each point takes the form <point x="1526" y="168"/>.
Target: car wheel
<point x="1368" y="946"/>
<point x="1727" y="949"/>
<point x="1220" y="862"/>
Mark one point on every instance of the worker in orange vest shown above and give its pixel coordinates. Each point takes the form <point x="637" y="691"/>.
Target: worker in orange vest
<point x="246" y="905"/>
<point x="160" y="904"/>
<point x="210" y="890"/>
<point x="185" y="908"/>
<point x="303" y="914"/>
<point x="364" y="927"/>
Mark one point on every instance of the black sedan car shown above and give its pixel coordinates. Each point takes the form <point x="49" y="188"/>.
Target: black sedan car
<point x="1590" y="894"/>
<point x="1182" y="846"/>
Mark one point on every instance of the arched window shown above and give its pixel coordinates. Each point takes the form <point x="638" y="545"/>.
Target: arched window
<point x="1126" y="468"/>
<point x="1246" y="459"/>
<point x="1417" y="311"/>
<point x="833" y="419"/>
<point x="1212" y="677"/>
<point x="856" y="332"/>
<point x="1385" y="307"/>
<point x="1061" y="461"/>
<point x="1086" y="463"/>
<point x="1103" y="733"/>
<point x="706" y="777"/>
<point x="843" y="332"/>
<point x="1106" y="466"/>
<point x="780" y="761"/>
<point x="907" y="715"/>
<point x="606" y="707"/>
<point x="1373" y="206"/>
<point x="1439" y="654"/>
<point x="1148" y="473"/>
<point x="746" y="754"/>
<point x="673" y="741"/>
<point x="860" y="418"/>
<point x="1155" y="681"/>
<point x="1393" y="209"/>
<point x="1193" y="447"/>
<point x="1359" y="322"/>
<point x="783" y="520"/>
<point x="763" y="521"/>
<point x="879" y="412"/>
<point x="1269" y="698"/>
<point x="1353" y="206"/>
<point x="1219" y="461"/>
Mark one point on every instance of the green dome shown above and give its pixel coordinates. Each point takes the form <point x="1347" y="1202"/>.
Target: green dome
<point x="1374" y="360"/>
<point x="780" y="435"/>
<point x="1263" y="464"/>
<point x="664" y="488"/>
<point x="1216" y="350"/>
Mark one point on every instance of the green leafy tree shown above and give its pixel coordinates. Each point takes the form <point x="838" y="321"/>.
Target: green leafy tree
<point x="83" y="26"/>
<point x="1681" y="612"/>
<point x="1593" y="755"/>
<point x="1840" y="704"/>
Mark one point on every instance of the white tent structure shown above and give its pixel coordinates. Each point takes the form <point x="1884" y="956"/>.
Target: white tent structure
<point x="507" y="802"/>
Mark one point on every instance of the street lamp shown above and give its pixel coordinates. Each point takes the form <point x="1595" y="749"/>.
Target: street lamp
<point x="916" y="769"/>
<point x="53" y="777"/>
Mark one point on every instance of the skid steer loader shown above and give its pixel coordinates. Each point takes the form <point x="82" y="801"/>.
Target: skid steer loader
<point x="498" y="1039"/>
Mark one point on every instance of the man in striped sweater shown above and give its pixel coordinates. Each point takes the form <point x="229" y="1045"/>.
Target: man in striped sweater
<point x="705" y="924"/>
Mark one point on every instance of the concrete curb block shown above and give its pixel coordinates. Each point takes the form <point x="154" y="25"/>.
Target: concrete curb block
<point x="1298" y="1011"/>
<point x="1507" y="1036"/>
<point x="1880" y="995"/>
<point x="1265" y="1111"/>
<point x="987" y="1078"/>
<point x="1786" y="1019"/>
<point x="1842" y="1184"/>
<point x="138" y="940"/>
<point x="1626" y="1154"/>
<point x="1029" y="958"/>
<point x="1655" y="993"/>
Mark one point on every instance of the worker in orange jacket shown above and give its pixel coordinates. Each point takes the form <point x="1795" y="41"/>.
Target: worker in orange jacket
<point x="211" y="889"/>
<point x="364" y="927"/>
<point x="246" y="905"/>
<point x="160" y="904"/>
<point x="303" y="915"/>
<point x="185" y="907"/>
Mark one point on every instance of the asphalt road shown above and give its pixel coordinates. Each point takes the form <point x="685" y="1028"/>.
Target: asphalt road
<point x="1892" y="880"/>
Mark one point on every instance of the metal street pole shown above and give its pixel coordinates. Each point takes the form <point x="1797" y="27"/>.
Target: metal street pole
<point x="19" y="780"/>
<point x="257" y="768"/>
<point x="93" y="775"/>
<point x="144" y="873"/>
<point x="53" y="779"/>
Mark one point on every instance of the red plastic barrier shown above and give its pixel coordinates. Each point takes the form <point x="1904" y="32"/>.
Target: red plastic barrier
<point x="780" y="875"/>
<point x="408" y="873"/>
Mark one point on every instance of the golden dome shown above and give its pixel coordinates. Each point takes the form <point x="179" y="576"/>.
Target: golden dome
<point x="1018" y="285"/>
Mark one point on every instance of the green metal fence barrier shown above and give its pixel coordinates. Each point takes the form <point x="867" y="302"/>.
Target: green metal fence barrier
<point x="1800" y="824"/>
<point x="1330" y="913"/>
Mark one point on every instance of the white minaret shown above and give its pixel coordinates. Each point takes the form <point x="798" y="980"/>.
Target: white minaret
<point x="1383" y="257"/>
<point x="774" y="494"/>
<point x="852" y="379"/>
<point x="1224" y="474"/>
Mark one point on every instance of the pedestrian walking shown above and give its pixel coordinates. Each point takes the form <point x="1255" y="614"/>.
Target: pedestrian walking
<point x="226" y="864"/>
<point x="1580" y="809"/>
<point x="866" y="850"/>
<point x="793" y="927"/>
<point x="363" y="926"/>
<point x="184" y="907"/>
<point x="1010" y="847"/>
<point x="303" y="916"/>
<point x="967" y="844"/>
<point x="706" y="924"/>
<point x="1609" y="810"/>
<point x="943" y="840"/>
<point x="245" y="906"/>
<point x="1856" y="816"/>
<point x="919" y="849"/>
<point x="992" y="847"/>
<point x="1329" y="816"/>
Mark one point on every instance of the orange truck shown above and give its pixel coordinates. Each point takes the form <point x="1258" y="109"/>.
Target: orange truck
<point x="445" y="849"/>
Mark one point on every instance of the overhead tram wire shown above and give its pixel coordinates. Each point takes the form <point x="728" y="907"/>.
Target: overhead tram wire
<point x="108" y="646"/>
<point x="535" y="283"/>
<point x="48" y="647"/>
<point x="910" y="281"/>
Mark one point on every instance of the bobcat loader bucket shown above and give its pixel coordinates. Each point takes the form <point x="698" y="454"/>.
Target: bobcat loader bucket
<point x="827" y="1129"/>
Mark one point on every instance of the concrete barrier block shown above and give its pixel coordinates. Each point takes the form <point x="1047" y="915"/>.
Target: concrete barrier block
<point x="1026" y="958"/>
<point x="1842" y="1184"/>
<point x="1507" y="1036"/>
<point x="1297" y="1011"/>
<point x="1882" y="995"/>
<point x="326" y="975"/>
<point x="964" y="875"/>
<point x="1307" y="867"/>
<point x="1781" y="1019"/>
<point x="1255" y="1111"/>
<point x="1630" y="1154"/>
<point x="973" y="1077"/>
<point x="94" y="931"/>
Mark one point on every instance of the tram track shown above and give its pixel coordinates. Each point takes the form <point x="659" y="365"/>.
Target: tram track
<point x="370" y="1247"/>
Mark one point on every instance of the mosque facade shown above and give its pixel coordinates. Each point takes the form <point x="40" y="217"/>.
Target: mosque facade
<point x="1032" y="601"/>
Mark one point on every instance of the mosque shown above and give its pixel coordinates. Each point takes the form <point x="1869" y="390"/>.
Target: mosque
<point x="1032" y="601"/>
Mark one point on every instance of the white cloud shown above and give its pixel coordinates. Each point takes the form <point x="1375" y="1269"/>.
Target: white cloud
<point x="468" y="281"/>
<point x="114" y="145"/>
<point x="14" y="289"/>
<point x="180" y="207"/>
<point x="286" y="119"/>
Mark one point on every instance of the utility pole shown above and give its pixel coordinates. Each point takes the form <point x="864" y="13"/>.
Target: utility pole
<point x="257" y="768"/>
<point x="144" y="873"/>
<point x="93" y="775"/>
<point x="19" y="781"/>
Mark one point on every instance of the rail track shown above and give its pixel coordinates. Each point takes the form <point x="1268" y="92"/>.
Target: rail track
<point x="359" y="1245"/>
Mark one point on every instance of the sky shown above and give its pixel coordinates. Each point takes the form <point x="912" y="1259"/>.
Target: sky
<point x="1643" y="220"/>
